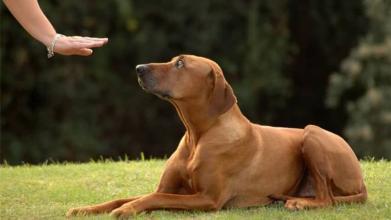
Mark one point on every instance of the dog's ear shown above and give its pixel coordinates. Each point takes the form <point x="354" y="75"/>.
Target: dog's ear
<point x="221" y="97"/>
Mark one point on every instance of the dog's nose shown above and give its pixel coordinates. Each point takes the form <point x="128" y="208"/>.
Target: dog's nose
<point x="141" y="69"/>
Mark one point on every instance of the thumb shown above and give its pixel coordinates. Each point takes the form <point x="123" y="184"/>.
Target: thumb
<point x="84" y="52"/>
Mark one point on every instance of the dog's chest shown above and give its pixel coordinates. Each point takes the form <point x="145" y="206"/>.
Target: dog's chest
<point x="190" y="170"/>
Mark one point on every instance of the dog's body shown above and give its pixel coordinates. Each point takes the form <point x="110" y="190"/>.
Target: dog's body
<point x="224" y="160"/>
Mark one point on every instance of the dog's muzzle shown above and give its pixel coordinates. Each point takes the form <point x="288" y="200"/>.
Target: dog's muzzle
<point x="148" y="81"/>
<point x="145" y="78"/>
<point x="141" y="69"/>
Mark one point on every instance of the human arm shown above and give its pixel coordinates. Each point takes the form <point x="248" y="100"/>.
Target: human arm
<point x="29" y="14"/>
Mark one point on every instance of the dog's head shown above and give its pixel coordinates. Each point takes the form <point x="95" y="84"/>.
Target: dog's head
<point x="188" y="78"/>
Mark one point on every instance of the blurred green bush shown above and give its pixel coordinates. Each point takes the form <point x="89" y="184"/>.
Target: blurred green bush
<point x="277" y="54"/>
<point x="363" y="86"/>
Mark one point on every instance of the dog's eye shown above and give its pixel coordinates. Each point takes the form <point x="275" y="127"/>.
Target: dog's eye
<point x="179" y="64"/>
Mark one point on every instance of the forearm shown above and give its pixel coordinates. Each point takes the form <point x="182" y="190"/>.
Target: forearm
<point x="30" y="16"/>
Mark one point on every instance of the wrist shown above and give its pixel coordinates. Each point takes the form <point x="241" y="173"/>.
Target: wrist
<point x="47" y="39"/>
<point x="50" y="47"/>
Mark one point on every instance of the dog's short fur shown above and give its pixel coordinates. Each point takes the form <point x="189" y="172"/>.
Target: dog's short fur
<point x="224" y="160"/>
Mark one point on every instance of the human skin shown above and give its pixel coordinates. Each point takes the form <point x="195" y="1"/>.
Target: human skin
<point x="29" y="14"/>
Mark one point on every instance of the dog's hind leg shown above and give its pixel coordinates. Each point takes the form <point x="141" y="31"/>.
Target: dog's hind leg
<point x="335" y="170"/>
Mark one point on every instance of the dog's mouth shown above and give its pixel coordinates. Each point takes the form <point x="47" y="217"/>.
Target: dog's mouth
<point x="141" y="83"/>
<point x="163" y="95"/>
<point x="148" y="84"/>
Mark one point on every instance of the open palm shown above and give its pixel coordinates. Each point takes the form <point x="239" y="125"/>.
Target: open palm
<point x="77" y="45"/>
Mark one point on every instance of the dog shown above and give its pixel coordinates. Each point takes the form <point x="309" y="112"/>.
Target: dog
<point x="225" y="161"/>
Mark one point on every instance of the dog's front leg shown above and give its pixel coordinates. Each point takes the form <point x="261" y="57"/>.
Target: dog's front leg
<point x="157" y="200"/>
<point x="105" y="207"/>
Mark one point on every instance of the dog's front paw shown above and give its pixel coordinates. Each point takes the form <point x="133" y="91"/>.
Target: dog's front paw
<point x="295" y="204"/>
<point x="82" y="211"/>
<point x="304" y="203"/>
<point x="122" y="213"/>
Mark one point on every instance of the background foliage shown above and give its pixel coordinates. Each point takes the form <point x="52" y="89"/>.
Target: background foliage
<point x="363" y="87"/>
<point x="277" y="54"/>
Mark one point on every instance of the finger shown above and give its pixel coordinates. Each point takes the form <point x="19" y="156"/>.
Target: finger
<point x="105" y="39"/>
<point x="81" y="45"/>
<point x="96" y="42"/>
<point x="89" y="39"/>
<point x="93" y="45"/>
<point x="84" y="52"/>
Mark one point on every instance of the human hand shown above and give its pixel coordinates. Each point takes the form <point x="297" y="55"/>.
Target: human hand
<point x="76" y="45"/>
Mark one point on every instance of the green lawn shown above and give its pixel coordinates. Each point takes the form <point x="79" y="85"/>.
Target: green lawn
<point x="48" y="191"/>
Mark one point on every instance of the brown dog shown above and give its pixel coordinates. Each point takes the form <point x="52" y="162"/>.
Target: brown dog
<point x="224" y="160"/>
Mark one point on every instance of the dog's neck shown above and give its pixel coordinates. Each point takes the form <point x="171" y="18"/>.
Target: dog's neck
<point x="197" y="119"/>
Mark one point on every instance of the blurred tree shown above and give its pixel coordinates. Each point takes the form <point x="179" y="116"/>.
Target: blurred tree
<point x="277" y="55"/>
<point x="322" y="35"/>
<point x="363" y="86"/>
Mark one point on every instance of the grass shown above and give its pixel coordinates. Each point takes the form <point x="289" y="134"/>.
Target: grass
<point x="48" y="191"/>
